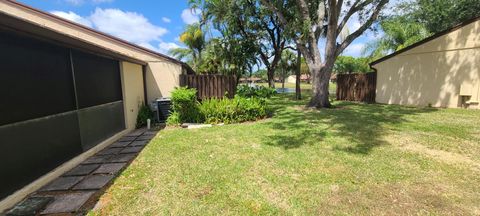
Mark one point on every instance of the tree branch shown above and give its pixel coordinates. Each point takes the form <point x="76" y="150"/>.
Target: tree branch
<point x="318" y="29"/>
<point x="280" y="15"/>
<point x="362" y="29"/>
<point x="353" y="9"/>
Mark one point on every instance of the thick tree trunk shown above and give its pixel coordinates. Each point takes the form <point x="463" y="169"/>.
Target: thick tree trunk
<point x="271" y="78"/>
<point x="321" y="81"/>
<point x="298" y="74"/>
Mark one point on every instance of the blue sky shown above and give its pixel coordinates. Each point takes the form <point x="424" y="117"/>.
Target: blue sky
<point x="154" y="24"/>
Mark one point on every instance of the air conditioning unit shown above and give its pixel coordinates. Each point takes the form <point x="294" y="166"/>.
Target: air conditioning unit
<point x="164" y="108"/>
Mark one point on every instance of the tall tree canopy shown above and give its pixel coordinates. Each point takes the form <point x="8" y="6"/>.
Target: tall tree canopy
<point x="439" y="15"/>
<point x="306" y="21"/>
<point x="349" y="64"/>
<point x="399" y="32"/>
<point x="418" y="19"/>
<point x="194" y="39"/>
<point x="250" y="22"/>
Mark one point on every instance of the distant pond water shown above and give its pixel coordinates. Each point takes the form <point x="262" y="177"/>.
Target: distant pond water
<point x="285" y="90"/>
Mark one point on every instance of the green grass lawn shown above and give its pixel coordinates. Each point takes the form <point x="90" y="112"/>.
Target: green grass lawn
<point x="354" y="159"/>
<point x="290" y="85"/>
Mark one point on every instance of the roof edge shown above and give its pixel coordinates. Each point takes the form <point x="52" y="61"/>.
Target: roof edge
<point x="426" y="40"/>
<point x="91" y="30"/>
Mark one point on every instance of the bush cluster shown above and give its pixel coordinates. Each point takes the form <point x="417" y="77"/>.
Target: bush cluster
<point x="186" y="109"/>
<point x="143" y="114"/>
<point x="234" y="110"/>
<point x="258" y="91"/>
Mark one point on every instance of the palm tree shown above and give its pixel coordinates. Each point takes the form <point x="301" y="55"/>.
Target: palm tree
<point x="194" y="39"/>
<point x="399" y="33"/>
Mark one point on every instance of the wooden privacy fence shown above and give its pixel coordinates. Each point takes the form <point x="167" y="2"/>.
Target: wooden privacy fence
<point x="357" y="87"/>
<point x="210" y="86"/>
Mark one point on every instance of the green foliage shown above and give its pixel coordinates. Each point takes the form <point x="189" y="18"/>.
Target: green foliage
<point x="418" y="20"/>
<point x="400" y="32"/>
<point x="287" y="64"/>
<point x="258" y="91"/>
<point x="261" y="73"/>
<point x="250" y="32"/>
<point x="238" y="109"/>
<point x="349" y="64"/>
<point x="194" y="38"/>
<point x="174" y="119"/>
<point x="185" y="107"/>
<point x="143" y="114"/>
<point x="439" y="15"/>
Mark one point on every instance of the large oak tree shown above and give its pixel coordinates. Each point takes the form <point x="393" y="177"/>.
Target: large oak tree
<point x="307" y="21"/>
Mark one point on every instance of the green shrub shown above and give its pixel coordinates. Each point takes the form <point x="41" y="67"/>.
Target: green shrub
<point x="238" y="109"/>
<point x="185" y="107"/>
<point x="173" y="119"/>
<point x="258" y="91"/>
<point x="143" y="114"/>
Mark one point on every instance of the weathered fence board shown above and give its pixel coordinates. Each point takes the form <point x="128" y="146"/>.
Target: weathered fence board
<point x="357" y="87"/>
<point x="210" y="85"/>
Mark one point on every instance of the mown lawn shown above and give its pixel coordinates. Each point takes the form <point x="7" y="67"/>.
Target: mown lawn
<point x="303" y="85"/>
<point x="354" y="159"/>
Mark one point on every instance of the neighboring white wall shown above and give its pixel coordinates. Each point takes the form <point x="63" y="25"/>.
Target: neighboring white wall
<point x="433" y="73"/>
<point x="292" y="79"/>
<point x="133" y="94"/>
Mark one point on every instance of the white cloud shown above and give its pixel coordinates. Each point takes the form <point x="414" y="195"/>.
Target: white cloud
<point x="73" y="17"/>
<point x="166" y="20"/>
<point x="75" y="2"/>
<point x="191" y="16"/>
<point x="164" y="47"/>
<point x="81" y="2"/>
<point x="354" y="50"/>
<point x="130" y="26"/>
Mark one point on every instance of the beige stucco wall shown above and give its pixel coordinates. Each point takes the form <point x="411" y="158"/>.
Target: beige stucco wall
<point x="435" y="72"/>
<point x="133" y="95"/>
<point x="161" y="79"/>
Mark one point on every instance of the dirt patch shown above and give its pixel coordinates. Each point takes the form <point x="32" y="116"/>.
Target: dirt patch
<point x="406" y="143"/>
<point x="392" y="199"/>
<point x="203" y="192"/>
<point x="303" y="108"/>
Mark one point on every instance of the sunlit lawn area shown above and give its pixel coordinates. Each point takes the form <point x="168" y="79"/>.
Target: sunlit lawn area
<point x="306" y="87"/>
<point x="354" y="159"/>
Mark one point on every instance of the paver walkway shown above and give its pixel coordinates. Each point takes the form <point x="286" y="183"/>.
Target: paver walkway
<point x="78" y="190"/>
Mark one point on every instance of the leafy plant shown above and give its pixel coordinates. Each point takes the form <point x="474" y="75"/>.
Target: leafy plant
<point x="174" y="119"/>
<point x="143" y="114"/>
<point x="238" y="109"/>
<point x="259" y="91"/>
<point x="185" y="106"/>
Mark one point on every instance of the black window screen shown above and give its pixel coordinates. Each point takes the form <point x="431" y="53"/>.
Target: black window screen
<point x="35" y="79"/>
<point x="31" y="149"/>
<point x="97" y="79"/>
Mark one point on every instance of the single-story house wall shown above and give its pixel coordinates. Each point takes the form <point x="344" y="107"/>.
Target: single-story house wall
<point x="67" y="91"/>
<point x="440" y="71"/>
<point x="293" y="78"/>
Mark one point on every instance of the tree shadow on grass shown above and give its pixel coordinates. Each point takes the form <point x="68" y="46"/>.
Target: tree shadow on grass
<point x="363" y="125"/>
